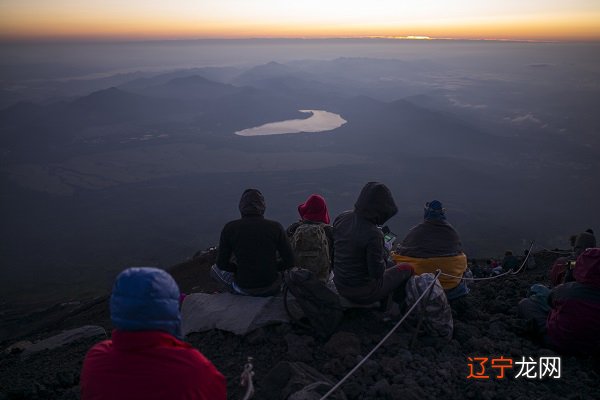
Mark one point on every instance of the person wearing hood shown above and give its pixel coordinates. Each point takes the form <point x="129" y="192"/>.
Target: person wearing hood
<point x="361" y="272"/>
<point x="561" y="271"/>
<point x="146" y="359"/>
<point x="247" y="261"/>
<point x="433" y="244"/>
<point x="569" y="319"/>
<point x="314" y="212"/>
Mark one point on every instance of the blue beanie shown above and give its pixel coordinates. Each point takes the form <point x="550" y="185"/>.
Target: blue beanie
<point x="434" y="211"/>
<point x="145" y="299"/>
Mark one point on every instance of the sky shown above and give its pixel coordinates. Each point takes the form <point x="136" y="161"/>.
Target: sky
<point x="573" y="20"/>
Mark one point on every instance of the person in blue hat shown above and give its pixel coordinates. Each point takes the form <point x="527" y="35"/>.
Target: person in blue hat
<point x="146" y="358"/>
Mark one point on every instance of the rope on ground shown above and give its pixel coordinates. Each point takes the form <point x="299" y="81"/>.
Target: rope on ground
<point x="488" y="278"/>
<point x="345" y="378"/>
<point x="246" y="379"/>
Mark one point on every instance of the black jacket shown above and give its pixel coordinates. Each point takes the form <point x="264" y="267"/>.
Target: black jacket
<point x="358" y="242"/>
<point x="255" y="243"/>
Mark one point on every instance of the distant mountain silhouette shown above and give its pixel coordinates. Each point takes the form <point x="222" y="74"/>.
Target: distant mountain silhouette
<point x="216" y="74"/>
<point x="115" y="105"/>
<point x="190" y="87"/>
<point x="266" y="71"/>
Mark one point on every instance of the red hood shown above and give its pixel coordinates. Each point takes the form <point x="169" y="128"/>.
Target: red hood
<point x="314" y="209"/>
<point x="587" y="268"/>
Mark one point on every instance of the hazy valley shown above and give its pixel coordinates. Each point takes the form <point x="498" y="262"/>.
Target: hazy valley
<point x="103" y="169"/>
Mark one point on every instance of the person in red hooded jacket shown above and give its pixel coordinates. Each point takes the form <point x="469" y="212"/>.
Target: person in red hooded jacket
<point x="572" y="325"/>
<point x="314" y="211"/>
<point x="146" y="359"/>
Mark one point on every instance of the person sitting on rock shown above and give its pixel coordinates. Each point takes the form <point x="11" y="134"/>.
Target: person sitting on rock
<point x="247" y="260"/>
<point x="312" y="237"/>
<point x="561" y="271"/>
<point x="568" y="319"/>
<point x="434" y="244"/>
<point x="509" y="262"/>
<point x="146" y="359"/>
<point x="361" y="271"/>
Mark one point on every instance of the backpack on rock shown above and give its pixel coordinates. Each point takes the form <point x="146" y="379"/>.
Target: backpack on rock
<point x="320" y="305"/>
<point x="433" y="308"/>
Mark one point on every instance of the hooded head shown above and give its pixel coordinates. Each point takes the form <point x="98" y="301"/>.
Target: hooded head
<point x="145" y="299"/>
<point x="375" y="203"/>
<point x="584" y="241"/>
<point x="587" y="268"/>
<point x="434" y="211"/>
<point x="314" y="209"/>
<point x="252" y="203"/>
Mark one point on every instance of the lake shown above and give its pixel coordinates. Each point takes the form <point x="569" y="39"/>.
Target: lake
<point x="319" y="121"/>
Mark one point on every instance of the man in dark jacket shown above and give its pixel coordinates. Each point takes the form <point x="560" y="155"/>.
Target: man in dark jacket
<point x="360" y="263"/>
<point x="510" y="261"/>
<point x="255" y="242"/>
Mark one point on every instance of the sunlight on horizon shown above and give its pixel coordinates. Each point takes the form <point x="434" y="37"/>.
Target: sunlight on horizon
<point x="184" y="19"/>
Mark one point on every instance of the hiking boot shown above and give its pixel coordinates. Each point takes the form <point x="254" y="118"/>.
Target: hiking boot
<point x="223" y="277"/>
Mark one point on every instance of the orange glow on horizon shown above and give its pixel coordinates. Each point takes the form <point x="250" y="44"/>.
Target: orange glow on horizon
<point x="17" y="22"/>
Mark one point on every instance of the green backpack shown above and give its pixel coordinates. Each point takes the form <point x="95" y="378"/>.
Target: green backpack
<point x="311" y="248"/>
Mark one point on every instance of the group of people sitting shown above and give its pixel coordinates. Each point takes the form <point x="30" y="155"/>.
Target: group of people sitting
<point x="494" y="268"/>
<point x="566" y="315"/>
<point x="353" y="252"/>
<point x="147" y="359"/>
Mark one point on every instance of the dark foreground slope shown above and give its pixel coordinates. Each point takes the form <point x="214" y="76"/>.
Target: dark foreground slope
<point x="485" y="326"/>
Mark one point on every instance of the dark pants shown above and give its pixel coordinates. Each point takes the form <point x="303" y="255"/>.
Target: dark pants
<point x="392" y="282"/>
<point x="227" y="279"/>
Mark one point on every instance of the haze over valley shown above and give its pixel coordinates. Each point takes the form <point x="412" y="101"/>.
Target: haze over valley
<point x="124" y="154"/>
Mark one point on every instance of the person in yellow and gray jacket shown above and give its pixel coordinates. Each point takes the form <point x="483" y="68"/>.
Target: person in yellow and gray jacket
<point x="434" y="244"/>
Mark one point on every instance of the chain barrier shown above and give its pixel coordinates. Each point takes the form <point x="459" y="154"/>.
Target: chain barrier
<point x="349" y="374"/>
<point x="488" y="278"/>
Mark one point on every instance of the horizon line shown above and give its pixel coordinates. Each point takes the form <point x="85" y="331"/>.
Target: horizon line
<point x="409" y="38"/>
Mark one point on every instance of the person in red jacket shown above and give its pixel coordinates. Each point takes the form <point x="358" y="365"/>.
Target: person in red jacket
<point x="569" y="319"/>
<point x="146" y="358"/>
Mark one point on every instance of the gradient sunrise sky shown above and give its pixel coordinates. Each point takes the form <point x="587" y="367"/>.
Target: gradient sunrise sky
<point x="187" y="19"/>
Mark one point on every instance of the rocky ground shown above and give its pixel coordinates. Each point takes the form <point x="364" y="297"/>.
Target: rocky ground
<point x="287" y="357"/>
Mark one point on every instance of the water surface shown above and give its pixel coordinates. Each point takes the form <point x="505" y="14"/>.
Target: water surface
<point x="319" y="121"/>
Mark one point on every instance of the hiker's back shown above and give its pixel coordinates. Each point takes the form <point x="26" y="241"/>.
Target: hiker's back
<point x="165" y="369"/>
<point x="311" y="249"/>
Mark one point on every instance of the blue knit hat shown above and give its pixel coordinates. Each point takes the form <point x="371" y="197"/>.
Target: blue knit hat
<point x="146" y="299"/>
<point x="434" y="211"/>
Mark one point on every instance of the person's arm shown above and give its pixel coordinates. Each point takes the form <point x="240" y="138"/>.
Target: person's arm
<point x="285" y="250"/>
<point x="375" y="256"/>
<point x="225" y="251"/>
